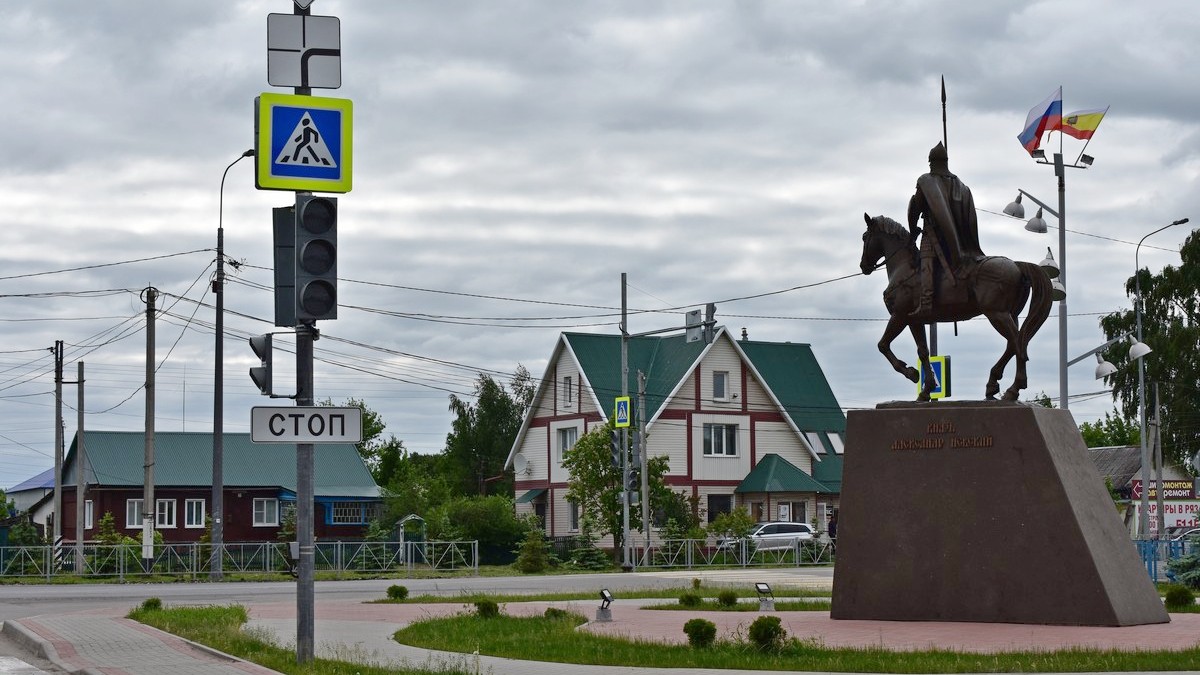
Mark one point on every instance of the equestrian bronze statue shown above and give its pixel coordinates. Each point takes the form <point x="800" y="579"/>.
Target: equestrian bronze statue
<point x="950" y="279"/>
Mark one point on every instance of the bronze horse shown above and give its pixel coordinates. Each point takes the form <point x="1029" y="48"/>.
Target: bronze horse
<point x="995" y="287"/>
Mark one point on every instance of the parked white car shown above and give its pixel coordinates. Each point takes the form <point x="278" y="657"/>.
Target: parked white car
<point x="773" y="536"/>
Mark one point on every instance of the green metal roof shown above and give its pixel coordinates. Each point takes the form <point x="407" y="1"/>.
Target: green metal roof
<point x="531" y="495"/>
<point x="664" y="360"/>
<point x="829" y="471"/>
<point x="775" y="474"/>
<point x="792" y="373"/>
<point x="184" y="459"/>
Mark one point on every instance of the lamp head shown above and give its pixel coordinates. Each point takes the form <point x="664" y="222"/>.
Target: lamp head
<point x="1103" y="368"/>
<point x="1037" y="223"/>
<point x="606" y="598"/>
<point x="1048" y="265"/>
<point x="1086" y="160"/>
<point x="762" y="588"/>
<point x="1058" y="292"/>
<point x="1137" y="348"/>
<point x="1038" y="154"/>
<point x="1015" y="208"/>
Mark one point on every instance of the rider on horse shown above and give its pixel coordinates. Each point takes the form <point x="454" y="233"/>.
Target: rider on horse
<point x="951" y="232"/>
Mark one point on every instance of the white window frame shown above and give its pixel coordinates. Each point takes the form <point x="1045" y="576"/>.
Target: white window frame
<point x="189" y="510"/>
<point x="133" y="512"/>
<point x="260" y="516"/>
<point x="564" y="444"/>
<point x="164" y="513"/>
<point x="89" y="514"/>
<point x="721" y="392"/>
<point x="573" y="516"/>
<point x="568" y="394"/>
<point x="720" y="439"/>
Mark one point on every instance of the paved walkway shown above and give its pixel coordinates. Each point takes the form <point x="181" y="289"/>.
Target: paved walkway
<point x="103" y="642"/>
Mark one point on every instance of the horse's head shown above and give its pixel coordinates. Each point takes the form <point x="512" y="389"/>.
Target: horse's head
<point x="872" y="251"/>
<point x="883" y="237"/>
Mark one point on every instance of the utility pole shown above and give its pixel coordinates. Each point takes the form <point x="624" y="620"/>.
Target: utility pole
<point x="626" y="564"/>
<point x="643" y="457"/>
<point x="305" y="592"/>
<point x="1158" y="465"/>
<point x="80" y="478"/>
<point x="58" y="442"/>
<point x="148" y="510"/>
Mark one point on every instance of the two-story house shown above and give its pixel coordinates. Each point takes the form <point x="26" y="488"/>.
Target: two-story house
<point x="741" y="422"/>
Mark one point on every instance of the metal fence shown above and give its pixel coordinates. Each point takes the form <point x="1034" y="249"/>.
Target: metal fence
<point x="193" y="560"/>
<point x="1156" y="553"/>
<point x="689" y="553"/>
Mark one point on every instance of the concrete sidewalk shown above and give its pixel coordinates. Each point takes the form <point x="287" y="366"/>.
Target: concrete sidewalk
<point x="104" y="642"/>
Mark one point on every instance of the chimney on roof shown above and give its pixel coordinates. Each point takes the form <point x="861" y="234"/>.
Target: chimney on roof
<point x="745" y="336"/>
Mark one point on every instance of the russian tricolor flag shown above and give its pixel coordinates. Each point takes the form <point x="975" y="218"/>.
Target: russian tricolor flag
<point x="1043" y="117"/>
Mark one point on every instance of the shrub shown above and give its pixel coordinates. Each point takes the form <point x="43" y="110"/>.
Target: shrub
<point x="727" y="598"/>
<point x="487" y="609"/>
<point x="533" y="556"/>
<point x="690" y="599"/>
<point x="767" y="633"/>
<point x="1186" y="570"/>
<point x="397" y="592"/>
<point x="695" y="584"/>
<point x="151" y="605"/>
<point x="1179" y="597"/>
<point x="556" y="613"/>
<point x="701" y="633"/>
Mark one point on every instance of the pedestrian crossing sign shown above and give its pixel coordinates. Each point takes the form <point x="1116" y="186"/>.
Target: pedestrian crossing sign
<point x="941" y="377"/>
<point x="303" y="143"/>
<point x="621" y="414"/>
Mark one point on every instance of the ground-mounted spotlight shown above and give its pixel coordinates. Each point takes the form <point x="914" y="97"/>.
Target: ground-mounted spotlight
<point x="604" y="611"/>
<point x="766" y="599"/>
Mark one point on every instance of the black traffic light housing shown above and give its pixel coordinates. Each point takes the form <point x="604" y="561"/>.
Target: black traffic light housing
<point x="261" y="375"/>
<point x="614" y="445"/>
<point x="316" y="258"/>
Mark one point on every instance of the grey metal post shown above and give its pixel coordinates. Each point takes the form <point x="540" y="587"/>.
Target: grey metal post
<point x="1158" y="464"/>
<point x="148" y="511"/>
<point x="305" y="612"/>
<point x="1061" y="171"/>
<point x="1137" y="310"/>
<point x="218" y="469"/>
<point x="80" y="477"/>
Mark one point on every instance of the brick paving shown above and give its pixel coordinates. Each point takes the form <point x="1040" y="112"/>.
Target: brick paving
<point x="103" y="642"/>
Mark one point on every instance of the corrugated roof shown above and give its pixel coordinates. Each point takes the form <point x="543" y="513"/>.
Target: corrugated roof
<point x="184" y="459"/>
<point x="42" y="481"/>
<point x="775" y="474"/>
<point x="664" y="360"/>
<point x="792" y="373"/>
<point x="1120" y="464"/>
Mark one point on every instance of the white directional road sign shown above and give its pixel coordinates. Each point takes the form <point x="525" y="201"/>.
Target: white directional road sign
<point x="316" y="424"/>
<point x="304" y="51"/>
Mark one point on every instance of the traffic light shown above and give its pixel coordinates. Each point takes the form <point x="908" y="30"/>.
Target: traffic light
<point x="614" y="445"/>
<point x="261" y="375"/>
<point x="316" y="258"/>
<point x="710" y="322"/>
<point x="635" y="479"/>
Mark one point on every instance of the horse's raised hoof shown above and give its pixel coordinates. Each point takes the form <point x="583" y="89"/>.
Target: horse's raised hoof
<point x="1011" y="395"/>
<point x="912" y="374"/>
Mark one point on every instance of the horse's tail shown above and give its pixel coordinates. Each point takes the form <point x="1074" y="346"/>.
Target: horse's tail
<point x="1041" y="300"/>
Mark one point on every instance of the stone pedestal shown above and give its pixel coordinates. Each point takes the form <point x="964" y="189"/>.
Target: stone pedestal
<point x="603" y="615"/>
<point x="981" y="511"/>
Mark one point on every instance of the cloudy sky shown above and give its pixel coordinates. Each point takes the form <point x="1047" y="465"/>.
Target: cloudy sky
<point x="512" y="159"/>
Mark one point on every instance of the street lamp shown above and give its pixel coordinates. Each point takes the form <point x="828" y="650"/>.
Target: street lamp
<point x="1137" y="307"/>
<point x="218" y="465"/>
<point x="1038" y="225"/>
